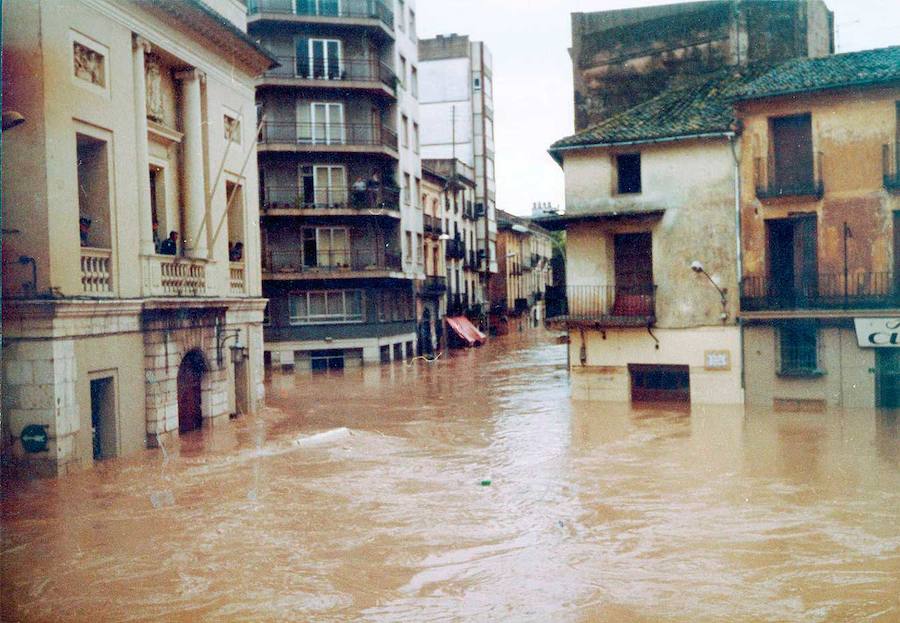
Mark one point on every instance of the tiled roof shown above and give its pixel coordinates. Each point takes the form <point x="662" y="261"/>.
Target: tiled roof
<point x="868" y="67"/>
<point x="701" y="107"/>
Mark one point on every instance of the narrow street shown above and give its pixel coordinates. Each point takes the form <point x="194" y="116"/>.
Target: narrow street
<point x="471" y="488"/>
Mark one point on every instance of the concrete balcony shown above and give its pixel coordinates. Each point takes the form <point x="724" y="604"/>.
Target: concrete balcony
<point x="602" y="306"/>
<point x="96" y="271"/>
<point x="327" y="138"/>
<point x="356" y="74"/>
<point x="371" y="14"/>
<point x="365" y="263"/>
<point x="171" y="275"/>
<point x="331" y="201"/>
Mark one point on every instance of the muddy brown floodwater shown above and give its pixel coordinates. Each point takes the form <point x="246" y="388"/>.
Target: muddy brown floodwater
<point x="358" y="496"/>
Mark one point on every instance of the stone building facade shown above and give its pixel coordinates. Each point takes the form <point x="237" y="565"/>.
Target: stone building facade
<point x="623" y="57"/>
<point x="131" y="283"/>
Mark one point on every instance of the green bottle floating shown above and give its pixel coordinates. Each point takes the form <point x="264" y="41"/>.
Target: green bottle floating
<point x="485" y="483"/>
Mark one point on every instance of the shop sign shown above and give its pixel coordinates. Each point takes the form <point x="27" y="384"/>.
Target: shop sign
<point x="877" y="332"/>
<point x="717" y="360"/>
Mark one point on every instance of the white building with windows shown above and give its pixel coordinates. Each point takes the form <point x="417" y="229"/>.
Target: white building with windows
<point x="340" y="180"/>
<point x="456" y="102"/>
<point x="131" y="283"/>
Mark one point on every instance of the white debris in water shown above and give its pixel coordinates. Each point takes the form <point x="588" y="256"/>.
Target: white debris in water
<point x="329" y="436"/>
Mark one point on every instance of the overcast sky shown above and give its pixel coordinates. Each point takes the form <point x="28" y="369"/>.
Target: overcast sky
<point x="529" y="40"/>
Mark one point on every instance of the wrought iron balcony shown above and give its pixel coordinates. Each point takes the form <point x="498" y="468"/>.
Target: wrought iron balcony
<point x="432" y="225"/>
<point x="357" y="260"/>
<point x="775" y="184"/>
<point x="860" y="290"/>
<point x="287" y="198"/>
<point x="608" y="306"/>
<point x="351" y="9"/>
<point x="346" y="70"/>
<point x="456" y="249"/>
<point x="327" y="134"/>
<point x="435" y="285"/>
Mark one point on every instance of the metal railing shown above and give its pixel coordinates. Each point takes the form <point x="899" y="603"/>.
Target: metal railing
<point x="96" y="271"/>
<point x="435" y="285"/>
<point x="347" y="69"/>
<point x="323" y="133"/>
<point x="296" y="261"/>
<point x="860" y="290"/>
<point x="340" y="197"/>
<point x="771" y="183"/>
<point x="456" y="249"/>
<point x="432" y="225"/>
<point x="365" y="9"/>
<point x="613" y="305"/>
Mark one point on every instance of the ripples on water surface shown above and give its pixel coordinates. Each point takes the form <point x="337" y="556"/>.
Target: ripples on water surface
<point x="595" y="512"/>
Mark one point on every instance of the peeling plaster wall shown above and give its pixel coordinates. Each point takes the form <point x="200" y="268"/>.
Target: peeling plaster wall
<point x="693" y="182"/>
<point x="847" y="128"/>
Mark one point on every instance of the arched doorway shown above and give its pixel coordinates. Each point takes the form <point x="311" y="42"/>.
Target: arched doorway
<point x="190" y="377"/>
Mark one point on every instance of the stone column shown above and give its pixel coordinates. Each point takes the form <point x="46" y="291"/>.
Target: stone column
<point x="193" y="183"/>
<point x="140" y="47"/>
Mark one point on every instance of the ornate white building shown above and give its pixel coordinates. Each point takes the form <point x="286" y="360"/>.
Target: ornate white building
<point x="131" y="280"/>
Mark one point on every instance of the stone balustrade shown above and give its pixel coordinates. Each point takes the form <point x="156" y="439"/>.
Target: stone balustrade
<point x="96" y="271"/>
<point x="236" y="278"/>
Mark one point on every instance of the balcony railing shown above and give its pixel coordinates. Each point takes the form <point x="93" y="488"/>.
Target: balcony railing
<point x="322" y="133"/>
<point x="170" y="275"/>
<point x="236" y="278"/>
<point x="296" y="261"/>
<point x="96" y="271"/>
<point x="775" y="184"/>
<point x="456" y="249"/>
<point x="603" y="305"/>
<point x="332" y="197"/>
<point x="435" y="285"/>
<point x="860" y="290"/>
<point x="364" y="9"/>
<point x="432" y="225"/>
<point x="348" y="69"/>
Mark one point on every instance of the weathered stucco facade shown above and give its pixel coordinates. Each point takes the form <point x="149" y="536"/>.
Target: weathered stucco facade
<point x="128" y="110"/>
<point x="623" y="57"/>
<point x="820" y="241"/>
<point x="686" y="205"/>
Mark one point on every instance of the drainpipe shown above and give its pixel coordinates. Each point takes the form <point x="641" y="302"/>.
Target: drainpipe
<point x="732" y="142"/>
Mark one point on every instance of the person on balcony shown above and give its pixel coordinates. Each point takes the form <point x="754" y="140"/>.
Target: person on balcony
<point x="236" y="252"/>
<point x="169" y="246"/>
<point x="373" y="186"/>
<point x="359" y="191"/>
<point x="84" y="230"/>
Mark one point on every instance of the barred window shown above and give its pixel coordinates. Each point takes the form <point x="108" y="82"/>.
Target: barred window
<point x="798" y="348"/>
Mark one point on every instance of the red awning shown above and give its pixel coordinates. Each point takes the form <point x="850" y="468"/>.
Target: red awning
<point x="466" y="330"/>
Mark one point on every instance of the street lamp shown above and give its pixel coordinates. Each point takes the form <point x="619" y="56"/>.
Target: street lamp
<point x="697" y="267"/>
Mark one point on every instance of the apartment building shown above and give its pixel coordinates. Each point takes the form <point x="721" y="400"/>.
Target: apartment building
<point x="459" y="228"/>
<point x="820" y="232"/>
<point x="132" y="308"/>
<point x="524" y="254"/>
<point x="432" y="295"/>
<point x="340" y="180"/>
<point x="457" y="107"/>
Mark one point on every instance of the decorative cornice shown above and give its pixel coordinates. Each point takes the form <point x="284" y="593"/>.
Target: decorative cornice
<point x="191" y="74"/>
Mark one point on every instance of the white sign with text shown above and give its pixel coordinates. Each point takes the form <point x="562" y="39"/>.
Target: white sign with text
<point x="877" y="332"/>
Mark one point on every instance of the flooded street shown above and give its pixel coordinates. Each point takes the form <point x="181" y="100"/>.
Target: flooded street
<point x="471" y="489"/>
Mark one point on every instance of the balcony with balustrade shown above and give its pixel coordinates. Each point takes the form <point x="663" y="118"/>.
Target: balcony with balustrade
<point x="96" y="272"/>
<point x="383" y="201"/>
<point x="173" y="275"/>
<point x="373" y="15"/>
<point x="601" y="306"/>
<point x="327" y="138"/>
<point x="356" y="263"/>
<point x="369" y="75"/>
